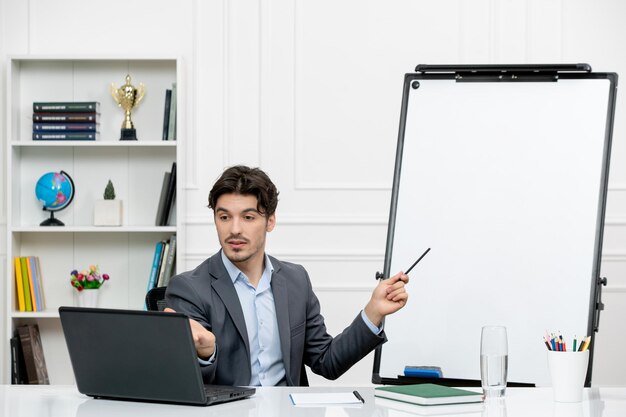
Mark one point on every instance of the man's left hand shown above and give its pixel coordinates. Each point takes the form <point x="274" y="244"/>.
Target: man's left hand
<point x="388" y="297"/>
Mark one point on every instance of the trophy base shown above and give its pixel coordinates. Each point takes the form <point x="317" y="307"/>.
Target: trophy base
<point x="129" y="134"/>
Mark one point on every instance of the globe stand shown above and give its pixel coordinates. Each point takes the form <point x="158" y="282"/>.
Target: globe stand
<point x="52" y="221"/>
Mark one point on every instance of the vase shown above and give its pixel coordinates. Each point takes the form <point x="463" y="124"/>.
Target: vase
<point x="107" y="213"/>
<point x="88" y="298"/>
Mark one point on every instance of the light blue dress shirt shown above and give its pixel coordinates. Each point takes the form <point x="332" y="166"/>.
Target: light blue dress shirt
<point x="259" y="312"/>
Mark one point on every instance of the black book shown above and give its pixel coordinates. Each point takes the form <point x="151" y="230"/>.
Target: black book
<point x="66" y="127"/>
<point x="162" y="199"/>
<point x="66" y="135"/>
<point x="18" y="367"/>
<point x="70" y="117"/>
<point x="166" y="115"/>
<point x="67" y="106"/>
<point x="171" y="195"/>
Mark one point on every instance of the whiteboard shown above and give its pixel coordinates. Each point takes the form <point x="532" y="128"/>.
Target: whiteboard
<point x="506" y="183"/>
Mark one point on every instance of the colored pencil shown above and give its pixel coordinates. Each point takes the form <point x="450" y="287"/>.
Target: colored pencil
<point x="547" y="344"/>
<point x="587" y="342"/>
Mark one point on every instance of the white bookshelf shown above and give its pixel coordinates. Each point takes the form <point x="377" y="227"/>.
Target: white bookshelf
<point x="136" y="169"/>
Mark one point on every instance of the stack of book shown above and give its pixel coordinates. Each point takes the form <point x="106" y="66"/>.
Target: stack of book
<point x="28" y="284"/>
<point x="66" y="120"/>
<point x="169" y="116"/>
<point x="163" y="263"/>
<point x="28" y="364"/>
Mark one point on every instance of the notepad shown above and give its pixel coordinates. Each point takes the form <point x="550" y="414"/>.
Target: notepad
<point x="428" y="394"/>
<point x="324" y="398"/>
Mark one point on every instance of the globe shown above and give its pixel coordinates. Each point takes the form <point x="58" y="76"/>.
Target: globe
<point x="55" y="191"/>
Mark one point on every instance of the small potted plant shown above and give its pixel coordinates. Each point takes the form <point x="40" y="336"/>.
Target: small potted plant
<point x="87" y="284"/>
<point x="108" y="212"/>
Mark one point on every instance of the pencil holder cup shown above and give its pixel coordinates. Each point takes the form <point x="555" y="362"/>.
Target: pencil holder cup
<point x="568" y="370"/>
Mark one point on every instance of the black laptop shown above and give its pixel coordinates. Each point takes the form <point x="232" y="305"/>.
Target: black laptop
<point x="138" y="355"/>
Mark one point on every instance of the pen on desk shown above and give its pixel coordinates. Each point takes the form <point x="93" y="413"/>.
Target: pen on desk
<point x="358" y="396"/>
<point x="415" y="263"/>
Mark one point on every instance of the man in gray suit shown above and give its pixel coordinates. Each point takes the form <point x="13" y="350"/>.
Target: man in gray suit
<point x="255" y="320"/>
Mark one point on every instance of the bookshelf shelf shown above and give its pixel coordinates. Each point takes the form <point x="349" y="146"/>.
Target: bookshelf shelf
<point x="37" y="315"/>
<point x="136" y="169"/>
<point x="95" y="144"/>
<point x="96" y="229"/>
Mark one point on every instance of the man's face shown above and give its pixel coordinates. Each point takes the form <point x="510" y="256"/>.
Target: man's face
<point x="241" y="228"/>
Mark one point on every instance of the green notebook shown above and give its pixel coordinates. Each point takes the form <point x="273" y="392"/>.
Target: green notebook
<point x="428" y="394"/>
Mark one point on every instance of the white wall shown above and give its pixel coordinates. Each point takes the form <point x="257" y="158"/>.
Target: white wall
<point x="310" y="91"/>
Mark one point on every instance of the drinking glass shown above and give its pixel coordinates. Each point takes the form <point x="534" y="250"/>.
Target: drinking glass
<point x="493" y="360"/>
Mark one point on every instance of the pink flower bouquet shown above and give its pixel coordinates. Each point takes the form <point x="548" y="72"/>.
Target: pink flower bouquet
<point x="89" y="279"/>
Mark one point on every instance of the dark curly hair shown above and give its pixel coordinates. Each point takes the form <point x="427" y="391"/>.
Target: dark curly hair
<point x="244" y="180"/>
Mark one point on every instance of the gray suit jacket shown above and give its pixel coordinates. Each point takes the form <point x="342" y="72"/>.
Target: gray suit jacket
<point x="208" y="295"/>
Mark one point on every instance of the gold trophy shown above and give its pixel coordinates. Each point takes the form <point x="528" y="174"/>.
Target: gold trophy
<point x="128" y="97"/>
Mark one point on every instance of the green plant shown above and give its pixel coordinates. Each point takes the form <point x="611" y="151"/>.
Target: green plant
<point x="109" y="191"/>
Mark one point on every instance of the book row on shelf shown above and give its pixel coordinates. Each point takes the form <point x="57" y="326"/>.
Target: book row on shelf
<point x="75" y="120"/>
<point x="169" y="114"/>
<point x="28" y="284"/>
<point x="163" y="263"/>
<point x="28" y="364"/>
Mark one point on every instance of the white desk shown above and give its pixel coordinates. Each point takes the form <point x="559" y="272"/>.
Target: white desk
<point x="65" y="401"/>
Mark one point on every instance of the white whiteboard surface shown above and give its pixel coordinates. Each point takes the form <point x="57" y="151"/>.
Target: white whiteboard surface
<point x="504" y="181"/>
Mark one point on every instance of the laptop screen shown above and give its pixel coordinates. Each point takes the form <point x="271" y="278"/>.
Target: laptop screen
<point x="129" y="354"/>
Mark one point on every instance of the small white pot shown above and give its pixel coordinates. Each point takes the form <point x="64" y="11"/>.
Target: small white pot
<point x="88" y="298"/>
<point x="107" y="213"/>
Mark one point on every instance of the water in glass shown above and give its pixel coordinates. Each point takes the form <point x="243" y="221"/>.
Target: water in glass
<point x="493" y="360"/>
<point x="493" y="374"/>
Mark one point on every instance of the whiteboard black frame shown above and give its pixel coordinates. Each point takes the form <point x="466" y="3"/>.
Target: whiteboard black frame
<point x="509" y="73"/>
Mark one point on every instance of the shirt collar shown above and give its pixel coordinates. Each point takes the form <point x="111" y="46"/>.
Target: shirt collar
<point x="234" y="272"/>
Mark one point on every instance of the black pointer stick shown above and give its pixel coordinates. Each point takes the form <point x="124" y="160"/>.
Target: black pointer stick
<point x="415" y="263"/>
